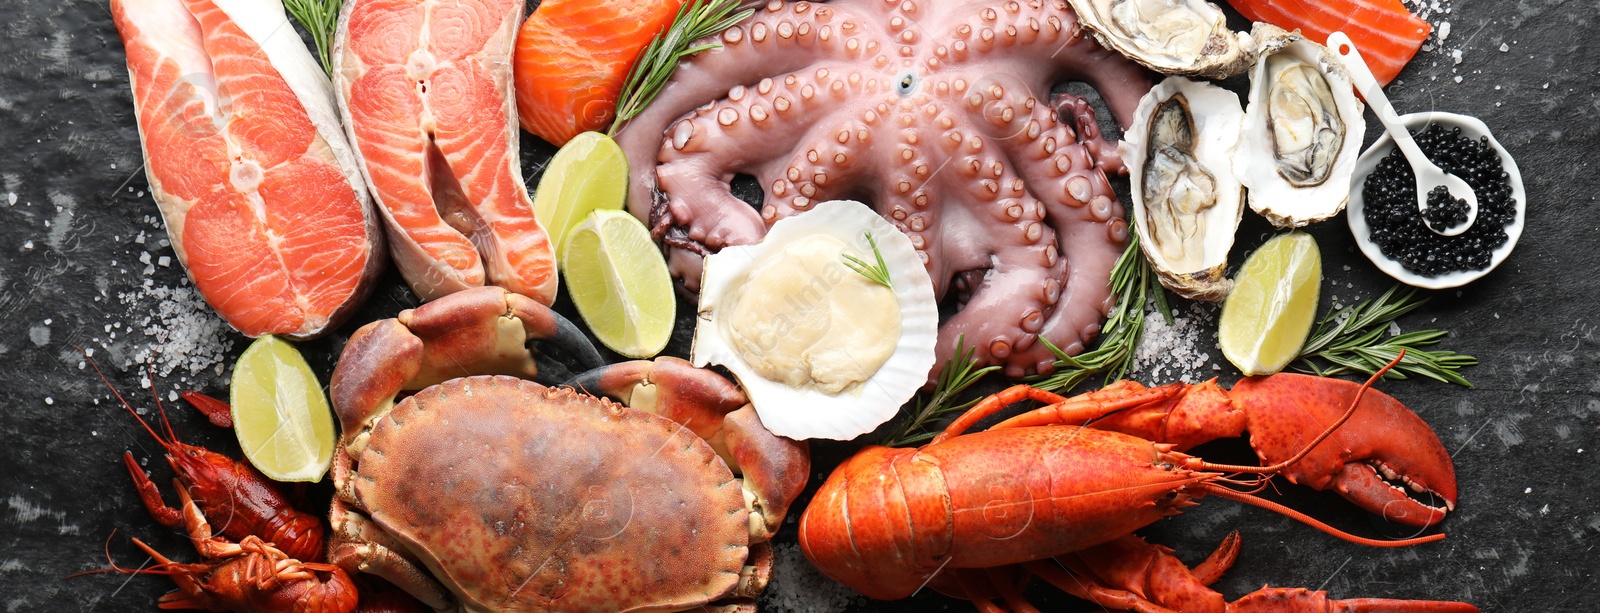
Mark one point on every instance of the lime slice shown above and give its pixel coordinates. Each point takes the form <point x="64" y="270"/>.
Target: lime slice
<point x="280" y="414"/>
<point x="588" y="173"/>
<point x="619" y="282"/>
<point x="1268" y="315"/>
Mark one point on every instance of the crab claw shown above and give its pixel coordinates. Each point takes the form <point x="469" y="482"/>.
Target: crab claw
<point x="1371" y="460"/>
<point x="774" y="468"/>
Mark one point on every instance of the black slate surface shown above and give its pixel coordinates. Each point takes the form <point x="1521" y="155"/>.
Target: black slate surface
<point x="1522" y="538"/>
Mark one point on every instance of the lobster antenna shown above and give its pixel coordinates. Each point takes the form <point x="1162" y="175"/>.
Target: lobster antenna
<point x="1326" y="432"/>
<point x="124" y="401"/>
<point x="150" y="373"/>
<point x="1224" y="492"/>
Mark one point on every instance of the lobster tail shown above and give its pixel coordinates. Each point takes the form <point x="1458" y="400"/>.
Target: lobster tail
<point x="855" y="530"/>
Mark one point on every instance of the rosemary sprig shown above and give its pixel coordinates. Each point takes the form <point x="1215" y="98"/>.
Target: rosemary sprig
<point x="695" y="20"/>
<point x="320" y="18"/>
<point x="1355" y="339"/>
<point x="877" y="274"/>
<point x="958" y="374"/>
<point x="1134" y="284"/>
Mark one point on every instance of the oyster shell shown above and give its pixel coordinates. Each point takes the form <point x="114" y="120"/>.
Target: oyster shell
<point x="1302" y="134"/>
<point x="1173" y="37"/>
<point x="1187" y="201"/>
<point x="821" y="351"/>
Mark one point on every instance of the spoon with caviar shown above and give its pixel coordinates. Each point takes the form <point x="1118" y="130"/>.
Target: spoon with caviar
<point x="1442" y="210"/>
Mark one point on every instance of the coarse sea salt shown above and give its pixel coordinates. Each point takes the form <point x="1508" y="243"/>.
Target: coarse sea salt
<point x="799" y="586"/>
<point x="183" y="333"/>
<point x="1179" y="351"/>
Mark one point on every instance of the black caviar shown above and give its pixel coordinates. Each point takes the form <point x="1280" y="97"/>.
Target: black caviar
<point x="1390" y="196"/>
<point x="1445" y="212"/>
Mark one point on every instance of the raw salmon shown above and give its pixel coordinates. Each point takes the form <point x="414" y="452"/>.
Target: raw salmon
<point x="426" y="88"/>
<point x="573" y="56"/>
<point x="261" y="196"/>
<point x="1387" y="34"/>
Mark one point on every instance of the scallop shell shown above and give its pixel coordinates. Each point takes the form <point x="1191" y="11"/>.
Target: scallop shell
<point x="1294" y="202"/>
<point x="1188" y="249"/>
<point x="807" y="412"/>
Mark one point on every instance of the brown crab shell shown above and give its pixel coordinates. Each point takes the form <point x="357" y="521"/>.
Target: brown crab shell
<point x="521" y="497"/>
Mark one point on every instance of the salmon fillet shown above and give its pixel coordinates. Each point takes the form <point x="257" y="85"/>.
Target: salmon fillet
<point x="258" y="188"/>
<point x="1387" y="34"/>
<point x="425" y="86"/>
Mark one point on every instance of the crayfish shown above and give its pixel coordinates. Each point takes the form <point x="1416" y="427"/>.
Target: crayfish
<point x="973" y="515"/>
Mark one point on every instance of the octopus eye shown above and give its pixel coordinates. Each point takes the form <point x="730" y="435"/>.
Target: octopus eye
<point x="905" y="83"/>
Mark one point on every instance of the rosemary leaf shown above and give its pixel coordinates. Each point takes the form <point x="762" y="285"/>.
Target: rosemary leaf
<point x="877" y="274"/>
<point x="1355" y="340"/>
<point x="320" y="18"/>
<point x="695" y="20"/>
<point x="958" y="374"/>
<point x="1134" y="285"/>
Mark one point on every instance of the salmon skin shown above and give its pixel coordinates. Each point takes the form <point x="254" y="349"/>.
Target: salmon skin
<point x="425" y="87"/>
<point x="1387" y="34"/>
<point x="573" y="57"/>
<point x="260" y="192"/>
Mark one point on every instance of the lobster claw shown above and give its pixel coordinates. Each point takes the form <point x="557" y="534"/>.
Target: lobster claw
<point x="1383" y="448"/>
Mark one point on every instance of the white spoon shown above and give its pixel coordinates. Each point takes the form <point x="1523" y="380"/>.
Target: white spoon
<point x="1428" y="175"/>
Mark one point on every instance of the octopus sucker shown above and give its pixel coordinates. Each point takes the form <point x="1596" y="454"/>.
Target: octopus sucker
<point x="937" y="115"/>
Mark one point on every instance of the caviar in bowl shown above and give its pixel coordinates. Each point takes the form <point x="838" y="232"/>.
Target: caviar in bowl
<point x="1388" y="227"/>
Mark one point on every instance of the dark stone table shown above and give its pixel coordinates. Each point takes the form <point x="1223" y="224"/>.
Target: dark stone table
<point x="86" y="266"/>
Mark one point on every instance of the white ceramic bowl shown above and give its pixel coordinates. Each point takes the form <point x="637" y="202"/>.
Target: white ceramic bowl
<point x="1471" y="128"/>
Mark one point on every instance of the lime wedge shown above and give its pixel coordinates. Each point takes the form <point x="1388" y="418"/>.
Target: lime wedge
<point x="619" y="282"/>
<point x="1268" y="315"/>
<point x="280" y="414"/>
<point x="588" y="173"/>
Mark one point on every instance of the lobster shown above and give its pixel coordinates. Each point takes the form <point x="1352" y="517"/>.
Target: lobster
<point x="251" y="575"/>
<point x="976" y="515"/>
<point x="247" y="502"/>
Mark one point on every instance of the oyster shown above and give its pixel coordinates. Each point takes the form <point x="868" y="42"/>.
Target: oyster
<point x="1302" y="134"/>
<point x="822" y="351"/>
<point x="1187" y="201"/>
<point x="1174" y="37"/>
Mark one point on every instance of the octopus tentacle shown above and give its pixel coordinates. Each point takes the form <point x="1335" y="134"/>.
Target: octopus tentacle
<point x="781" y="38"/>
<point x="1088" y="221"/>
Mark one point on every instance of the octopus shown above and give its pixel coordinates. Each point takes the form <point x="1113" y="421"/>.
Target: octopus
<point x="938" y="114"/>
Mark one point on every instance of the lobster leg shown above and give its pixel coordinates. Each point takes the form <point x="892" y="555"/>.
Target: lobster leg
<point x="1076" y="410"/>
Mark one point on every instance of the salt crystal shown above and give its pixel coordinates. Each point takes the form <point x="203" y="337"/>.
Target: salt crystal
<point x="1458" y="78"/>
<point x="172" y="396"/>
<point x="1504" y="47"/>
<point x="1444" y="30"/>
<point x="144" y="257"/>
<point x="49" y="400"/>
<point x="1456" y="55"/>
<point x="11" y="198"/>
<point x="139" y="239"/>
<point x="28" y="246"/>
<point x="164" y="261"/>
<point x="1528" y="491"/>
<point x="49" y="321"/>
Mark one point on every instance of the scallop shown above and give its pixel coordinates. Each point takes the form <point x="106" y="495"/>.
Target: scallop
<point x="1302" y="134"/>
<point x="821" y="349"/>
<point x="1174" y="37"/>
<point x="1187" y="201"/>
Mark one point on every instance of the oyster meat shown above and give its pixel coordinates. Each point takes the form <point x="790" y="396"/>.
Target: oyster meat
<point x="1302" y="134"/>
<point x="1174" y="37"/>
<point x="1187" y="200"/>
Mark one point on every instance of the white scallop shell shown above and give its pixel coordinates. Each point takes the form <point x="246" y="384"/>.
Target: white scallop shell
<point x="1217" y="118"/>
<point x="1274" y="197"/>
<point x="803" y="412"/>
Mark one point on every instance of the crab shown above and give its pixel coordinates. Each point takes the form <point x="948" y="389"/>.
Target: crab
<point x="494" y="493"/>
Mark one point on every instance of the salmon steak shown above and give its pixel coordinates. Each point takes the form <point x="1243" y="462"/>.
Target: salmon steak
<point x="426" y="90"/>
<point x="260" y="192"/>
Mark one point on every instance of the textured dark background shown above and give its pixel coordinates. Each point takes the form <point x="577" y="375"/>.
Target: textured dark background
<point x="1522" y="538"/>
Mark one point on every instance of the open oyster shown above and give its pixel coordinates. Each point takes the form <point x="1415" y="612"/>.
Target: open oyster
<point x="1174" y="37"/>
<point x="1186" y="199"/>
<point x="1302" y="134"/>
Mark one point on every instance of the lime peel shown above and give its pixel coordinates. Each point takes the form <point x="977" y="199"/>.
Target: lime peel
<point x="1268" y="315"/>
<point x="618" y="279"/>
<point x="280" y="413"/>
